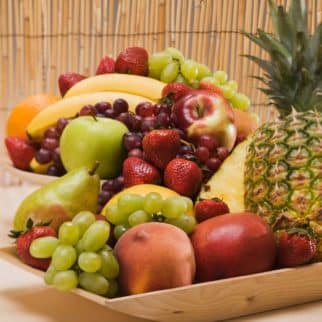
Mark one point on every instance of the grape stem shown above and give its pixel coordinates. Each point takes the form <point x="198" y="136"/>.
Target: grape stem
<point x="95" y="167"/>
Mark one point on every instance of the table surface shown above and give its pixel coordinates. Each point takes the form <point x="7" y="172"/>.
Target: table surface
<point x="24" y="297"/>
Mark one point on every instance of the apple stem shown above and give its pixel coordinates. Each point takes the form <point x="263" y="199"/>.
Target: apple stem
<point x="200" y="110"/>
<point x="95" y="167"/>
<point x="94" y="116"/>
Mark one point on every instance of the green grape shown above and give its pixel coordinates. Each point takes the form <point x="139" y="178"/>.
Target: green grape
<point x="153" y="202"/>
<point x="175" y="54"/>
<point x="157" y="62"/>
<point x="94" y="282"/>
<point x="181" y="79"/>
<point x="227" y="91"/>
<point x="240" y="101"/>
<point x="79" y="247"/>
<point x="138" y="217"/>
<point x="211" y="80"/>
<point x="110" y="266"/>
<point x="233" y="84"/>
<point x="65" y="280"/>
<point x="185" y="222"/>
<point x="170" y="72"/>
<point x="119" y="230"/>
<point x="221" y="76"/>
<point x="173" y="207"/>
<point x="113" y="288"/>
<point x="83" y="220"/>
<point x="203" y="71"/>
<point x="114" y="215"/>
<point x="63" y="257"/>
<point x="96" y="236"/>
<point x="49" y="275"/>
<point x="189" y="69"/>
<point x="130" y="202"/>
<point x="106" y="248"/>
<point x="89" y="262"/>
<point x="189" y="203"/>
<point x="43" y="247"/>
<point x="68" y="233"/>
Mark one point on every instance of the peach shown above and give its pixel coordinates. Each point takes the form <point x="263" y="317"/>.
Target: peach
<point x="154" y="256"/>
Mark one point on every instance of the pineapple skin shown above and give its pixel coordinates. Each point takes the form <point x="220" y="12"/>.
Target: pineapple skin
<point x="283" y="174"/>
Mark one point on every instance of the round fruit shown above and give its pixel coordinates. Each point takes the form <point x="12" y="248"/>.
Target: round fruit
<point x="23" y="112"/>
<point x="154" y="256"/>
<point x="86" y="140"/>
<point x="232" y="245"/>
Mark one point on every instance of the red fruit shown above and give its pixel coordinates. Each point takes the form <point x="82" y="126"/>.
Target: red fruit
<point x="67" y="80"/>
<point x="106" y="66"/>
<point x="133" y="60"/>
<point x="20" y="152"/>
<point x="209" y="208"/>
<point x="137" y="171"/>
<point x="210" y="88"/>
<point x="232" y="245"/>
<point x="161" y="146"/>
<point x="294" y="249"/>
<point x="23" y="244"/>
<point x="183" y="176"/>
<point x="176" y="90"/>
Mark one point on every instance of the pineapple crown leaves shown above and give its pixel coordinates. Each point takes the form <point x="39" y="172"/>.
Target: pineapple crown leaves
<point x="293" y="74"/>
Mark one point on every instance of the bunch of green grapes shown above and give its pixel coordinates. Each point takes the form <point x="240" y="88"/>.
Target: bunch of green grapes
<point x="80" y="256"/>
<point x="170" y="66"/>
<point x="133" y="209"/>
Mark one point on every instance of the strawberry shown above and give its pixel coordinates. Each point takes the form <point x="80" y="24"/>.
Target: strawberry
<point x="133" y="60"/>
<point x="20" y="152"/>
<point x="208" y="208"/>
<point x="106" y="66"/>
<point x="183" y="176"/>
<point x="161" y="146"/>
<point x="23" y="244"/>
<point x="295" y="248"/>
<point x="210" y="88"/>
<point x="67" y="80"/>
<point x="175" y="91"/>
<point x="137" y="171"/>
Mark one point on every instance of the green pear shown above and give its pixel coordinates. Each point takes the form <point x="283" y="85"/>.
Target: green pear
<point x="60" y="200"/>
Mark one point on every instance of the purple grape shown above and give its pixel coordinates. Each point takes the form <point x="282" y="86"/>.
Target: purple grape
<point x="136" y="121"/>
<point x="101" y="107"/>
<point x="213" y="163"/>
<point x="43" y="156"/>
<point x="104" y="196"/>
<point x="162" y="108"/>
<point x="61" y="124"/>
<point x="208" y="141"/>
<point x="120" y="106"/>
<point x="56" y="156"/>
<point x="163" y="120"/>
<point x="136" y="153"/>
<point x="108" y="185"/>
<point x="202" y="153"/>
<point x="49" y="144"/>
<point x="119" y="183"/>
<point x="131" y="141"/>
<point x="52" y="133"/>
<point x="148" y="123"/>
<point x="222" y="152"/>
<point x="145" y="109"/>
<point x="186" y="148"/>
<point x="53" y="170"/>
<point x="87" y="110"/>
<point x="110" y="113"/>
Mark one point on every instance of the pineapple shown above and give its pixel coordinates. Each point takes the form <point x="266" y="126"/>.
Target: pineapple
<point x="283" y="167"/>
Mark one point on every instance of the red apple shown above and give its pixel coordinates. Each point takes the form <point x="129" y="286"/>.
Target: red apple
<point x="232" y="245"/>
<point x="202" y="112"/>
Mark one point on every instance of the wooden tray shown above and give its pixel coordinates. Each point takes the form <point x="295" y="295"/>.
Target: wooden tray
<point x="212" y="301"/>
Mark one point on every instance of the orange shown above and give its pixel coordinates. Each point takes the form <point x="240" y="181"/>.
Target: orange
<point x="23" y="112"/>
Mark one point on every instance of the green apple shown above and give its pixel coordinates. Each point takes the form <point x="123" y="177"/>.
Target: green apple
<point x="86" y="140"/>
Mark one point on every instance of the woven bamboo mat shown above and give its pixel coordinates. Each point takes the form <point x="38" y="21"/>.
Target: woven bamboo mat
<point x="39" y="39"/>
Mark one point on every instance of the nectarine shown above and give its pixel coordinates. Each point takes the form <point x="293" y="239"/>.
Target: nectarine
<point x="154" y="256"/>
<point x="232" y="245"/>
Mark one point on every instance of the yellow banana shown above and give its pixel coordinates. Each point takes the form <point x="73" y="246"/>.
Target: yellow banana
<point x="133" y="84"/>
<point x="68" y="107"/>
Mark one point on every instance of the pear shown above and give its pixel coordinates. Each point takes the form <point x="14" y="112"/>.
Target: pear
<point x="60" y="200"/>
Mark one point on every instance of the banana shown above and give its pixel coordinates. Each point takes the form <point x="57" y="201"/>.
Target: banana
<point x="68" y="107"/>
<point x="133" y="84"/>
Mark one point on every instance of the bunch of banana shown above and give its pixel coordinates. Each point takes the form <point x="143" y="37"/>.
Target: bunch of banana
<point x="101" y="88"/>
